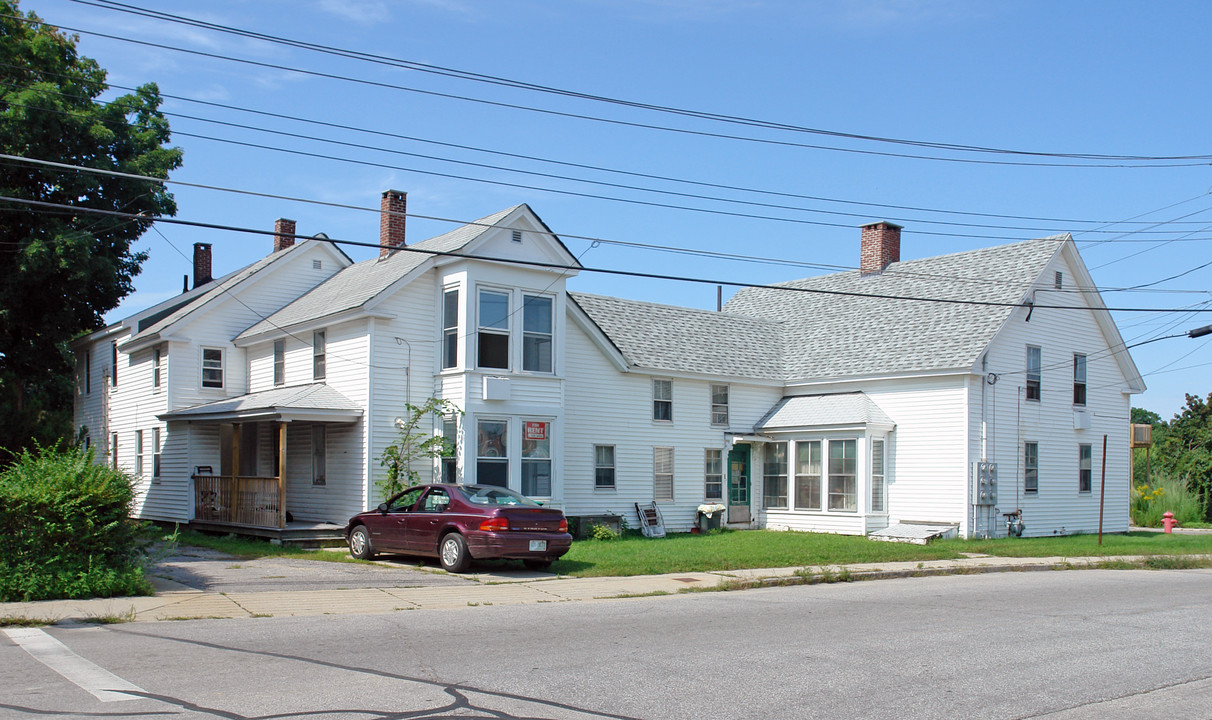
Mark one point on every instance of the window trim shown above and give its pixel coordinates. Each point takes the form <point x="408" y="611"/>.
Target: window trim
<point x="155" y="453"/>
<point x="222" y="368"/>
<point x="113" y="450"/>
<point x="319" y="354"/>
<point x="708" y="482"/>
<point x="1080" y="373"/>
<point x="157" y="367"/>
<point x="660" y="479"/>
<point x="1085" y="475"/>
<point x="503" y="458"/>
<point x="319" y="455"/>
<point x="598" y="468"/>
<point x="779" y="478"/>
<point x="450" y="333"/>
<point x="1034" y="390"/>
<point x="535" y="460"/>
<point x="139" y="453"/>
<point x="717" y="408"/>
<point x="482" y="329"/>
<point x="819" y="475"/>
<point x="658" y="402"/>
<point x="527" y="297"/>
<point x="855" y="476"/>
<point x="1030" y="452"/>
<point x="882" y="456"/>
<point x="279" y="362"/>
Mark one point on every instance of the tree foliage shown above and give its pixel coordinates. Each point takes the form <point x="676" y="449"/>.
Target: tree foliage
<point x="1182" y="447"/>
<point x="60" y="270"/>
<point x="414" y="444"/>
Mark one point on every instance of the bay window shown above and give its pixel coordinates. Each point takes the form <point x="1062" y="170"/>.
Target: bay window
<point x="450" y="329"/>
<point x="492" y="454"/>
<point x="878" y="488"/>
<point x="774" y="476"/>
<point x="536" y="333"/>
<point x="492" y="338"/>
<point x="842" y="490"/>
<point x="536" y="458"/>
<point x="808" y="475"/>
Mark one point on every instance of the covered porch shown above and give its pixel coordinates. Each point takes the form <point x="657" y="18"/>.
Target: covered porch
<point x="260" y="444"/>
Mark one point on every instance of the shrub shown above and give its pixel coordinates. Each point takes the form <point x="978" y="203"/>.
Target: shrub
<point x="65" y="529"/>
<point x="603" y="532"/>
<point x="1166" y="494"/>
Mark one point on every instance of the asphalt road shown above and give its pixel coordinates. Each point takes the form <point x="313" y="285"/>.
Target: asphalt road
<point x="1065" y="645"/>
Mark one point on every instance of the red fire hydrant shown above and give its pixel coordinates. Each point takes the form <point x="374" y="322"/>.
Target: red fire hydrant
<point x="1168" y="521"/>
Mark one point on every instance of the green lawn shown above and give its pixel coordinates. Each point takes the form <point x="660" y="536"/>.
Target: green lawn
<point x="1136" y="543"/>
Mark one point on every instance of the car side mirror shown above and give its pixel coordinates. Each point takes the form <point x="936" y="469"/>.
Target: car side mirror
<point x="383" y="508"/>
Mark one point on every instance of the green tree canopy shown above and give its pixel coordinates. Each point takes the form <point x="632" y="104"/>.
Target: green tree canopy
<point x="1185" y="448"/>
<point x="60" y="270"/>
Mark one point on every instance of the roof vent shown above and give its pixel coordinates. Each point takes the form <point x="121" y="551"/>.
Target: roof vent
<point x="517" y="236"/>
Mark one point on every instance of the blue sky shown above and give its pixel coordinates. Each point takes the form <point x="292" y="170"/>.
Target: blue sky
<point x="1105" y="78"/>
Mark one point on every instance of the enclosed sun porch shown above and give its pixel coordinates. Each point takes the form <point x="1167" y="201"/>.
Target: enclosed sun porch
<point x="261" y="464"/>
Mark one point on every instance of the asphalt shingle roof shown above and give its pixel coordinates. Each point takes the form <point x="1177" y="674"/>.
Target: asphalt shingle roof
<point x="316" y="396"/>
<point x="852" y="325"/>
<point x="359" y="283"/>
<point x="678" y="339"/>
<point x="837" y="409"/>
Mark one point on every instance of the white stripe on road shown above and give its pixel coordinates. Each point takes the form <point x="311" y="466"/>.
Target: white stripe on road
<point x="104" y="685"/>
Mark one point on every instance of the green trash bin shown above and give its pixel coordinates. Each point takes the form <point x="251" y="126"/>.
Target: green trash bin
<point x="710" y="520"/>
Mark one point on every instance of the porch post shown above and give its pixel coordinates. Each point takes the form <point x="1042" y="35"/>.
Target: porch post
<point x="281" y="476"/>
<point x="237" y="429"/>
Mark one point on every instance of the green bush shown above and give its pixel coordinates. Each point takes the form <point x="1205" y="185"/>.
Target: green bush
<point x="1165" y="495"/>
<point x="602" y="532"/>
<point x="65" y="529"/>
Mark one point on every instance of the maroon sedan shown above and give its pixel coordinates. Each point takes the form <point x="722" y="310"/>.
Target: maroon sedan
<point x="461" y="523"/>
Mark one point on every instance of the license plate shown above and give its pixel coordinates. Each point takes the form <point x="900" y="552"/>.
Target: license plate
<point x="538" y="546"/>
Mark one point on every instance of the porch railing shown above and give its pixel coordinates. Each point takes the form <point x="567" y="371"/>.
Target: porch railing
<point x="254" y="501"/>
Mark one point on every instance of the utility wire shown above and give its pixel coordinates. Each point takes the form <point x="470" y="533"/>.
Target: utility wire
<point x="556" y="113"/>
<point x="501" y="81"/>
<point x="606" y="271"/>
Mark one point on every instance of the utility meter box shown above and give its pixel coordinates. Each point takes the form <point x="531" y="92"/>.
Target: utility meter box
<point x="984" y="483"/>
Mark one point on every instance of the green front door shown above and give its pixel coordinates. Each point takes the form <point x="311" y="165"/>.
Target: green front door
<point x="738" y="484"/>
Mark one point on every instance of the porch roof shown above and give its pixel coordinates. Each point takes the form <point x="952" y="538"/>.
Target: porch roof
<point x="316" y="402"/>
<point x="840" y="409"/>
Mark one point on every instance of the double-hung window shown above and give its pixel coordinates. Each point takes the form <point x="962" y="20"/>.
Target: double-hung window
<point x="808" y="475"/>
<point x="1034" y="367"/>
<point x="319" y="454"/>
<point x="319" y="355"/>
<point x="603" y="467"/>
<point x="878" y="487"/>
<point x="713" y="474"/>
<point x="843" y="494"/>
<point x="157" y="367"/>
<point x="662" y="400"/>
<point x="113" y="449"/>
<point x="1031" y="467"/>
<point x="536" y="333"/>
<point x="450" y="329"/>
<point x="1084" y="469"/>
<point x="88" y="372"/>
<point x="450" y="454"/>
<point x="113" y="348"/>
<point x="719" y="404"/>
<point x="492" y="338"/>
<point x="774" y="476"/>
<point x="1079" y="379"/>
<point x="492" y="452"/>
<point x="155" y="454"/>
<point x="212" y="367"/>
<point x="279" y="362"/>
<point x="662" y="473"/>
<point x="536" y="458"/>
<point x="139" y="453"/>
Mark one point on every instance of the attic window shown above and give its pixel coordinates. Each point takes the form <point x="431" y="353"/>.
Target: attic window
<point x="317" y="265"/>
<point x="517" y="236"/>
<point x="1058" y="281"/>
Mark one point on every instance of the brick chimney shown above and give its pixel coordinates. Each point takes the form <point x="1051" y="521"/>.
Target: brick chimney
<point x="881" y="247"/>
<point x="284" y="234"/>
<point x="392" y="211"/>
<point x="202" y="264"/>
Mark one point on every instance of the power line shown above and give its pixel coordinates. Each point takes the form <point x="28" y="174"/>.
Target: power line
<point x="595" y="168"/>
<point x="6" y="159"/>
<point x="612" y="121"/>
<point x="606" y="271"/>
<point x="507" y="82"/>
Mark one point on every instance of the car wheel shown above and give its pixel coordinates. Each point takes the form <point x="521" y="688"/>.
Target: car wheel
<point x="536" y="564"/>
<point x="453" y="553"/>
<point x="359" y="543"/>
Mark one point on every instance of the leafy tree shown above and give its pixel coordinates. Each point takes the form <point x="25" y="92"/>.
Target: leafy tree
<point x="1141" y="416"/>
<point x="60" y="270"/>
<point x="1185" y="448"/>
<point x="414" y="443"/>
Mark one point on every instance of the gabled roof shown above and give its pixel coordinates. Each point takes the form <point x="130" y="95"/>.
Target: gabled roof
<point x="678" y="339"/>
<point x="355" y="286"/>
<point x="849" y="409"/>
<point x="315" y="401"/>
<point x="879" y="324"/>
<point x="152" y="327"/>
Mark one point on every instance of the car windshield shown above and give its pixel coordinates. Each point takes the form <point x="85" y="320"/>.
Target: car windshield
<point x="492" y="495"/>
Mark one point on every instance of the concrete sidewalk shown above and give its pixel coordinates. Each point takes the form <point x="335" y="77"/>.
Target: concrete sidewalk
<point x="174" y="601"/>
